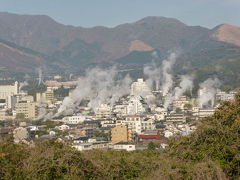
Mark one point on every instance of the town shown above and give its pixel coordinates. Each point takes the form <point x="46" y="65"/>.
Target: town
<point x="137" y="120"/>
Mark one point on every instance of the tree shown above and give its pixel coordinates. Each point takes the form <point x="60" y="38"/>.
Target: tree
<point x="152" y="146"/>
<point x="20" y="116"/>
<point x="178" y="110"/>
<point x="188" y="106"/>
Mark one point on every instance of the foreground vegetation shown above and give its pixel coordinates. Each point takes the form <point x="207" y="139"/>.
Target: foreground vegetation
<point x="211" y="152"/>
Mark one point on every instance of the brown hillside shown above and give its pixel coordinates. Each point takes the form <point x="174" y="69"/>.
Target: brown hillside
<point x="227" y="33"/>
<point x="138" y="45"/>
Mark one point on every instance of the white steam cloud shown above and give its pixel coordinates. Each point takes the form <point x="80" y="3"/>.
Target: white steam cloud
<point x="161" y="75"/>
<point x="40" y="76"/>
<point x="100" y="87"/>
<point x="167" y="81"/>
<point x="208" y="91"/>
<point x="185" y="85"/>
<point x="25" y="83"/>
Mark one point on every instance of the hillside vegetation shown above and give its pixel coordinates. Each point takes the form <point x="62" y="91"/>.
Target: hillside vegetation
<point x="211" y="152"/>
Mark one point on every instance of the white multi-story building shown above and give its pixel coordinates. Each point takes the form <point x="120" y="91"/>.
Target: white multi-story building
<point x="181" y="102"/>
<point x="73" y="119"/>
<point x="137" y="123"/>
<point x="175" y="118"/>
<point x="120" y="109"/>
<point x="8" y="90"/>
<point x="201" y="113"/>
<point x="136" y="105"/>
<point x="223" y="96"/>
<point x="160" y="113"/>
<point x="103" y="110"/>
<point x="140" y="88"/>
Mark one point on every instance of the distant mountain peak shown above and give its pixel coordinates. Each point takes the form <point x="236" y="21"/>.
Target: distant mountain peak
<point x="159" y="19"/>
<point x="227" y="33"/>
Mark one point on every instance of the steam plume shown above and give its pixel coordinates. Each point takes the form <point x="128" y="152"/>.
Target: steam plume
<point x="161" y="75"/>
<point x="185" y="84"/>
<point x="40" y="76"/>
<point x="167" y="81"/>
<point x="207" y="91"/>
<point x="99" y="86"/>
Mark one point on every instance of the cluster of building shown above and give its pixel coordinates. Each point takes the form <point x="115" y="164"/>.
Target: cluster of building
<point x="131" y="123"/>
<point x="17" y="104"/>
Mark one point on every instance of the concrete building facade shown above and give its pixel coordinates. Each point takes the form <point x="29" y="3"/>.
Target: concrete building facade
<point x="121" y="133"/>
<point x="8" y="90"/>
<point x="29" y="109"/>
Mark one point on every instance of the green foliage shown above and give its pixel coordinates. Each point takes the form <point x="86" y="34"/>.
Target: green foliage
<point x="211" y="152"/>
<point x="106" y="136"/>
<point x="217" y="138"/>
<point x="20" y="116"/>
<point x="152" y="146"/>
<point x="178" y="110"/>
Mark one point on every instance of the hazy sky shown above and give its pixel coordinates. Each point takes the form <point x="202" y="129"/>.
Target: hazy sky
<point x="88" y="13"/>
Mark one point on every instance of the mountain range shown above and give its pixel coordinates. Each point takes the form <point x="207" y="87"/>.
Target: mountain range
<point x="30" y="41"/>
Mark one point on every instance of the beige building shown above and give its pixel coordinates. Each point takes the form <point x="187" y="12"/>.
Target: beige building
<point x="8" y="90"/>
<point x="27" y="98"/>
<point x="56" y="84"/>
<point x="4" y="115"/>
<point x="103" y="111"/>
<point x="29" y="109"/>
<point x="121" y="133"/>
<point x="46" y="97"/>
<point x="181" y="102"/>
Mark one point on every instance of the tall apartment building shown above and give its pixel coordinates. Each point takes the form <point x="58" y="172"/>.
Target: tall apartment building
<point x="46" y="97"/>
<point x="9" y="90"/>
<point x="28" y="108"/>
<point x="121" y="133"/>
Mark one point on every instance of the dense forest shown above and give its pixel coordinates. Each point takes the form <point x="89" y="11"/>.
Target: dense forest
<point x="211" y="152"/>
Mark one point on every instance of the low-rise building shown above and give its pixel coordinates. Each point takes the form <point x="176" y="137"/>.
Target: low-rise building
<point x="104" y="111"/>
<point x="137" y="123"/>
<point x="124" y="146"/>
<point x="204" y="112"/>
<point x="181" y="102"/>
<point x="73" y="119"/>
<point x="63" y="127"/>
<point x="223" y="96"/>
<point x="175" y="118"/>
<point x="91" y="146"/>
<point x="5" y="114"/>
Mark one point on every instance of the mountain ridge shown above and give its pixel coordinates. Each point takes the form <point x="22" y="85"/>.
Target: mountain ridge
<point x="101" y="44"/>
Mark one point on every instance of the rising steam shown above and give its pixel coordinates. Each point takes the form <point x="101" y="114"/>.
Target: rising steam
<point x="185" y="85"/>
<point x="99" y="86"/>
<point x="207" y="92"/>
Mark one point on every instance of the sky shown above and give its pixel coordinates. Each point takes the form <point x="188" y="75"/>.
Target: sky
<point x="88" y="13"/>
